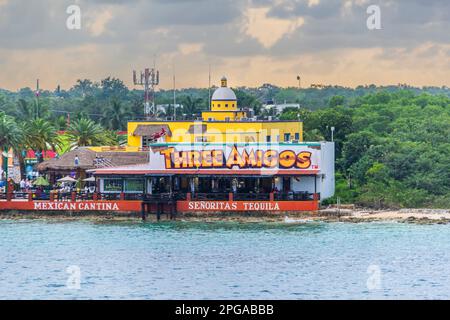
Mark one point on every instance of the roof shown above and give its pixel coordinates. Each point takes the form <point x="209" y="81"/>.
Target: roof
<point x="145" y="170"/>
<point x="143" y="130"/>
<point x="88" y="159"/>
<point x="224" y="93"/>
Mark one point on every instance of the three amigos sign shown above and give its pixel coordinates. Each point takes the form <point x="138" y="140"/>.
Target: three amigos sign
<point x="233" y="157"/>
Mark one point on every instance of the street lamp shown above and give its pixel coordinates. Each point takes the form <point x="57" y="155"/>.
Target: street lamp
<point x="332" y="133"/>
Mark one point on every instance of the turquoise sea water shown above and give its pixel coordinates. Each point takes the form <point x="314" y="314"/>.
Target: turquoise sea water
<point x="189" y="260"/>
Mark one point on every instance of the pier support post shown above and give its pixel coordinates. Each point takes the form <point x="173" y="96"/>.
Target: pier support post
<point x="173" y="210"/>
<point x="158" y="211"/>
<point x="143" y="211"/>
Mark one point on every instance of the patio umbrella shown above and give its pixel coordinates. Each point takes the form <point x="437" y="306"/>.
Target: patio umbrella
<point x="91" y="179"/>
<point x="67" y="179"/>
<point x="41" y="181"/>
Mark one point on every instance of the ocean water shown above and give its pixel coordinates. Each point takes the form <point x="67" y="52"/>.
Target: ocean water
<point x="221" y="260"/>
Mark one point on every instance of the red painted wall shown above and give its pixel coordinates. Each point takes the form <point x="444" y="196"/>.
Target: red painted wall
<point x="230" y="206"/>
<point x="182" y="206"/>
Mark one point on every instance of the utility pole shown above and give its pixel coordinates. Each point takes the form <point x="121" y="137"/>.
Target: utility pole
<point x="37" y="94"/>
<point x="209" y="87"/>
<point x="299" y="81"/>
<point x="149" y="79"/>
<point x="174" y="98"/>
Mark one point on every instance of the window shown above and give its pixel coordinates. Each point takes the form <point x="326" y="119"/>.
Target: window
<point x="227" y="118"/>
<point x="287" y="137"/>
<point x="134" y="186"/>
<point x="218" y="105"/>
<point x="226" y="105"/>
<point x="268" y="138"/>
<point x="112" y="185"/>
<point x="297" y="136"/>
<point x="201" y="139"/>
<point x="147" y="141"/>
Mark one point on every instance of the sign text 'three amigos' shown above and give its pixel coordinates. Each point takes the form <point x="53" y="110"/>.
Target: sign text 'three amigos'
<point x="286" y="159"/>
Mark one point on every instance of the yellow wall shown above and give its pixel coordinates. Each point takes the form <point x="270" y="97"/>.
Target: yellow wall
<point x="217" y="131"/>
<point x="223" y="115"/>
<point x="224" y="105"/>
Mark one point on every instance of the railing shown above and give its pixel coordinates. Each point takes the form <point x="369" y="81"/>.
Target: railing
<point x="209" y="196"/>
<point x="251" y="196"/>
<point x="293" y="196"/>
<point x="163" y="197"/>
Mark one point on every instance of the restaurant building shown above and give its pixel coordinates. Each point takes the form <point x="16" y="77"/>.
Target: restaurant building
<point x="225" y="162"/>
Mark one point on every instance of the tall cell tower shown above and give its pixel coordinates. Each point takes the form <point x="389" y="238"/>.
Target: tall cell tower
<point x="149" y="79"/>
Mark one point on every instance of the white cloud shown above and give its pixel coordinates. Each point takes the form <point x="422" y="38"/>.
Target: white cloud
<point x="268" y="30"/>
<point x="312" y="3"/>
<point x="190" y="48"/>
<point x="97" y="24"/>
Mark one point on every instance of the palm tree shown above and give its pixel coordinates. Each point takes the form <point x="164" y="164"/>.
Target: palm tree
<point x="83" y="86"/>
<point x="10" y="135"/>
<point x="85" y="132"/>
<point x="192" y="106"/>
<point x="115" y="116"/>
<point x="25" y="110"/>
<point x="40" y="135"/>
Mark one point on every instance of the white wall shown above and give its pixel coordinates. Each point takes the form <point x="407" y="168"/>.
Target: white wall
<point x="325" y="178"/>
<point x="326" y="183"/>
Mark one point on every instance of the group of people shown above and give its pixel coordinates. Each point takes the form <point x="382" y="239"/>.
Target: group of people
<point x="25" y="185"/>
<point x="68" y="188"/>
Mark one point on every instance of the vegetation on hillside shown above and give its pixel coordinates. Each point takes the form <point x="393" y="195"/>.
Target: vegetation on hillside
<point x="392" y="149"/>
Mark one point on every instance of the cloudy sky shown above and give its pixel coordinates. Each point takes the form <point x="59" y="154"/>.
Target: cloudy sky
<point x="251" y="41"/>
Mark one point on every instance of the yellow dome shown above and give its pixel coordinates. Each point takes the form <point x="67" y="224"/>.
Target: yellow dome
<point x="224" y="93"/>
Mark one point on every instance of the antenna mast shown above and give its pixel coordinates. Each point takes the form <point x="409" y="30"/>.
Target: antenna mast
<point x="209" y="87"/>
<point x="174" y="98"/>
<point x="149" y="79"/>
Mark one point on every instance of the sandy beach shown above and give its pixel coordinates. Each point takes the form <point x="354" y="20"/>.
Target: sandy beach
<point x="401" y="215"/>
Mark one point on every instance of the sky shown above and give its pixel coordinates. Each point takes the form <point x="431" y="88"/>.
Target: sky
<point x="252" y="42"/>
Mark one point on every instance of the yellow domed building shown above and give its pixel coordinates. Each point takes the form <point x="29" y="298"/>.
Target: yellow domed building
<point x="224" y="106"/>
<point x="226" y="161"/>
